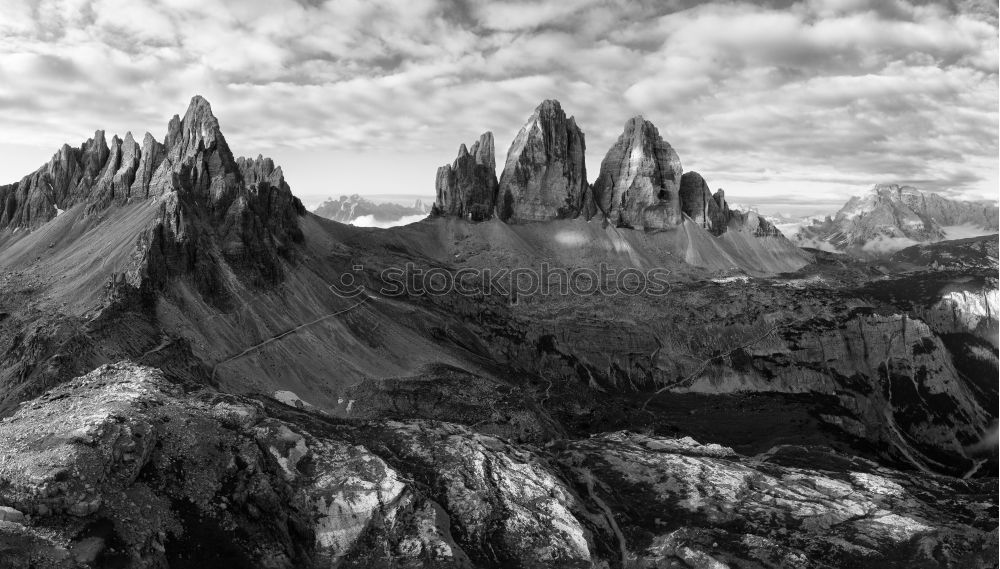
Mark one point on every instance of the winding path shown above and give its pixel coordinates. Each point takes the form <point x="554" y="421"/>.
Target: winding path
<point x="277" y="337"/>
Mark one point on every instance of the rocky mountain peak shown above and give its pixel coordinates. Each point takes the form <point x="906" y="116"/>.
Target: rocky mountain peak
<point x="95" y="153"/>
<point x="483" y="150"/>
<point x="467" y="188"/>
<point x="198" y="157"/>
<point x="545" y="175"/>
<point x="698" y="203"/>
<point x="639" y="182"/>
<point x="245" y="212"/>
<point x="200" y="124"/>
<point x="150" y="156"/>
<point x="261" y="169"/>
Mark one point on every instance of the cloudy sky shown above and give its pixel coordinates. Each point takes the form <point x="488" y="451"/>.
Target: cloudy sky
<point x="792" y="106"/>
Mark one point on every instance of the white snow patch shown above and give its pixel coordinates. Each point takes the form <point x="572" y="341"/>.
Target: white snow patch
<point x="290" y="398"/>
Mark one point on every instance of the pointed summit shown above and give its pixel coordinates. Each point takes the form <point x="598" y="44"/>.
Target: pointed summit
<point x="468" y="187"/>
<point x="639" y="180"/>
<point x="545" y="176"/>
<point x="198" y="158"/>
<point x="200" y="124"/>
<point x="247" y="209"/>
<point x="151" y="155"/>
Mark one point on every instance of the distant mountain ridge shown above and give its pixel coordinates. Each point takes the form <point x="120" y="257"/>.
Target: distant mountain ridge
<point x="890" y="217"/>
<point x="349" y="209"/>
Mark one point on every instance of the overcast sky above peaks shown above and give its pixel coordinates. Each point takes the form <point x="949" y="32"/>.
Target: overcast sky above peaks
<point x="792" y="106"/>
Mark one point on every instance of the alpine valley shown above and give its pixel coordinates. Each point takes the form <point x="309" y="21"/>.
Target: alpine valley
<point x="185" y="384"/>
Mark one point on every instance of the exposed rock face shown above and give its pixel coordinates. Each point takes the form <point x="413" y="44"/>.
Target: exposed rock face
<point x="704" y="506"/>
<point x="122" y="466"/>
<point x="698" y="203"/>
<point x="151" y="154"/>
<point x="115" y="183"/>
<point x="262" y="221"/>
<point x="95" y="154"/>
<point x="36" y="197"/>
<point x="891" y="217"/>
<point x="222" y="226"/>
<point x="468" y="187"/>
<point x="209" y="206"/>
<point x="195" y="164"/>
<point x="545" y="176"/>
<point x="198" y="161"/>
<point x="640" y="178"/>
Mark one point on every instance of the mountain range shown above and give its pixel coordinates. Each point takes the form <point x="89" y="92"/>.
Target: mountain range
<point x="185" y="381"/>
<point x="891" y="217"/>
<point x="363" y="212"/>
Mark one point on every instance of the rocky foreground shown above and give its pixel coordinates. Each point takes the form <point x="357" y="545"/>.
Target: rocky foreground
<point x="123" y="468"/>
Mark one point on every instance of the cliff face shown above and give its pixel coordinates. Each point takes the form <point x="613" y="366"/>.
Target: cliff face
<point x="545" y="176"/>
<point x="468" y="187"/>
<point x="640" y="180"/>
<point x="641" y="184"/>
<point x="55" y="186"/>
<point x="698" y="203"/>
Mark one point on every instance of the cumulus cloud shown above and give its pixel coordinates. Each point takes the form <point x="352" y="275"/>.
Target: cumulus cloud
<point x="813" y="99"/>
<point x="882" y="244"/>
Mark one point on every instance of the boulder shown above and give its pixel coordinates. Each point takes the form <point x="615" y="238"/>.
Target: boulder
<point x="640" y="172"/>
<point x="545" y="176"/>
